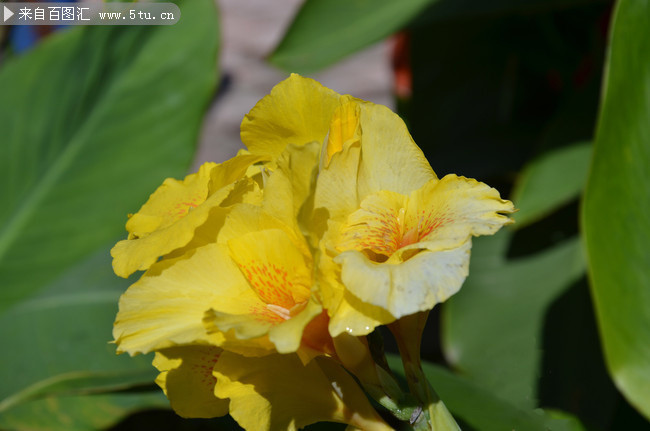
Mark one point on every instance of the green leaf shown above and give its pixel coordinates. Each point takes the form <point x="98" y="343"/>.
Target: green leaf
<point x="59" y="344"/>
<point x="492" y="328"/>
<point x="77" y="413"/>
<point x="616" y="207"/>
<point x="549" y="182"/>
<point x="478" y="407"/>
<point x="325" y="31"/>
<point x="92" y="121"/>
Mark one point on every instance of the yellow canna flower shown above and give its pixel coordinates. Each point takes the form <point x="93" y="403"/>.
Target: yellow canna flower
<point x="331" y="224"/>
<point x="398" y="238"/>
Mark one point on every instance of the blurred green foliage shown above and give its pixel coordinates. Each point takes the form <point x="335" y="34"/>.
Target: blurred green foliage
<point x="506" y="91"/>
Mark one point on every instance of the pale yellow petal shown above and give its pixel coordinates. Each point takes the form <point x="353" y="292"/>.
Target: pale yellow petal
<point x="417" y="284"/>
<point x="353" y="316"/>
<point x="297" y="111"/>
<point x="347" y="313"/>
<point x="278" y="392"/>
<point x="187" y="380"/>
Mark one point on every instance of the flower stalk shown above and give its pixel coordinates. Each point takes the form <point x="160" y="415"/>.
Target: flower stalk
<point x="408" y="334"/>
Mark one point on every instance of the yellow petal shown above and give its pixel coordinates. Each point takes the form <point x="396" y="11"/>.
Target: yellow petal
<point x="386" y="159"/>
<point x="390" y="159"/>
<point x="442" y="215"/>
<point x="288" y="335"/>
<point x="450" y="211"/>
<point x="170" y="202"/>
<point x="297" y="111"/>
<point x="166" y="306"/>
<point x="279" y="274"/>
<point x="231" y="170"/>
<point x="276" y="269"/>
<point x="347" y="313"/>
<point x="166" y="223"/>
<point x="187" y="380"/>
<point x="278" y="392"/>
<point x="405" y="288"/>
<point x="353" y="316"/>
<point x="344" y="127"/>
<point x="377" y="226"/>
<point x="291" y="184"/>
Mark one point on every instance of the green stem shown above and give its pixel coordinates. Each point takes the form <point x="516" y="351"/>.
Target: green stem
<point x="408" y="334"/>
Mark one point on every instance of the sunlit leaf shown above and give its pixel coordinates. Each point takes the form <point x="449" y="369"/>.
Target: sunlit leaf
<point x="549" y="182"/>
<point x="616" y="208"/>
<point x="92" y="120"/>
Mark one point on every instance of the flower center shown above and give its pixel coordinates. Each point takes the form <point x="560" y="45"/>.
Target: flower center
<point x="386" y="223"/>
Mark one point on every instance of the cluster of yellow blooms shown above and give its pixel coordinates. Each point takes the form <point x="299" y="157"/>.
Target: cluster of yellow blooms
<point x="265" y="273"/>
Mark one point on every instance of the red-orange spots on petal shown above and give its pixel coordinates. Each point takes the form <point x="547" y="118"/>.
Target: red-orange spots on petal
<point x="383" y="225"/>
<point x="203" y="369"/>
<point x="271" y="289"/>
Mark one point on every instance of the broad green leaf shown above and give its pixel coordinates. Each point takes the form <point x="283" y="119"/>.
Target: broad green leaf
<point x="92" y="121"/>
<point x="325" y="31"/>
<point x="478" y="407"/>
<point x="59" y="343"/>
<point x="616" y="207"/>
<point x="492" y="328"/>
<point x="549" y="182"/>
<point x="77" y="413"/>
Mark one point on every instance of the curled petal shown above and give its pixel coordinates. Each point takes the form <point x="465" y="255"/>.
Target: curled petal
<point x="297" y="111"/>
<point x="405" y="288"/>
<point x="169" y="219"/>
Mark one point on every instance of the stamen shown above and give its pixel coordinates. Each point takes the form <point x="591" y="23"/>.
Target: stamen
<point x="280" y="311"/>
